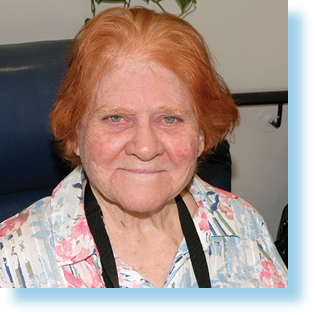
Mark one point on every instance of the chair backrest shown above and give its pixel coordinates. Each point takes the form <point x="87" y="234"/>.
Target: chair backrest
<point x="30" y="75"/>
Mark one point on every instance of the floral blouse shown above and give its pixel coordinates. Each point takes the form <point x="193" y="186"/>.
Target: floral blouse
<point x="49" y="244"/>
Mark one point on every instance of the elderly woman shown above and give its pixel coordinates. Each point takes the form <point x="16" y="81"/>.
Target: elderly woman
<point x="140" y="103"/>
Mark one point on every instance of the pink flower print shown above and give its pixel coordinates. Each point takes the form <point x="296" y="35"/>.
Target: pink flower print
<point x="121" y="263"/>
<point x="203" y="224"/>
<point x="73" y="282"/>
<point x="80" y="230"/>
<point x="73" y="251"/>
<point x="200" y="204"/>
<point x="227" y="210"/>
<point x="15" y="223"/>
<point x="56" y="189"/>
<point x="121" y="277"/>
<point x="78" y="244"/>
<point x="92" y="274"/>
<point x="270" y="276"/>
<point x="136" y="284"/>
<point x="225" y="194"/>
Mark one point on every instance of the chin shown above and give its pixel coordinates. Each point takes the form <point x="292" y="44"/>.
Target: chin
<point x="143" y="202"/>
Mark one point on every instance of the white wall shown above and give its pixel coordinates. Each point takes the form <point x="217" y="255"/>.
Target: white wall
<point x="248" y="39"/>
<point x="260" y="162"/>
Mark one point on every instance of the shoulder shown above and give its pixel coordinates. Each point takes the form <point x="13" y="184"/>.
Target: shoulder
<point x="23" y="239"/>
<point x="24" y="219"/>
<point x="28" y="239"/>
<point x="225" y="207"/>
<point x="244" y="233"/>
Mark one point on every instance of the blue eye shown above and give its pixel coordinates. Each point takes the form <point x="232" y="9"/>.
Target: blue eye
<point x="169" y="120"/>
<point x="115" y="118"/>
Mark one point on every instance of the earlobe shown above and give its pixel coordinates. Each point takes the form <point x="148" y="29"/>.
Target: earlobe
<point x="75" y="144"/>
<point x="201" y="143"/>
<point x="77" y="151"/>
<point x="76" y="148"/>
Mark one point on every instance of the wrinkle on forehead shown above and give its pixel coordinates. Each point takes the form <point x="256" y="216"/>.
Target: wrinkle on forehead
<point x="114" y="82"/>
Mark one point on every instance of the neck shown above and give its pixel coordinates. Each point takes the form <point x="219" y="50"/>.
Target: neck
<point x="162" y="219"/>
<point x="119" y="219"/>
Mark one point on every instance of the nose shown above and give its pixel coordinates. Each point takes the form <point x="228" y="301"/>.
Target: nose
<point x="144" y="143"/>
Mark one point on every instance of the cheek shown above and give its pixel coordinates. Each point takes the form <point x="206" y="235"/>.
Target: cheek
<point x="100" y="148"/>
<point x="91" y="147"/>
<point x="185" y="151"/>
<point x="95" y="151"/>
<point x="183" y="154"/>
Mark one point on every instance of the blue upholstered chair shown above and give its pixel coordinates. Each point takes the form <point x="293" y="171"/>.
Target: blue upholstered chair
<point x="30" y="75"/>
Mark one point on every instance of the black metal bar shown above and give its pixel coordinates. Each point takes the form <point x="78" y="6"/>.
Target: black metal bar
<point x="277" y="123"/>
<point x="260" y="98"/>
<point x="263" y="98"/>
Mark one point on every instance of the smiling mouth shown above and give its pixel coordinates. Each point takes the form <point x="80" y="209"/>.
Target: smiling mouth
<point x="141" y="171"/>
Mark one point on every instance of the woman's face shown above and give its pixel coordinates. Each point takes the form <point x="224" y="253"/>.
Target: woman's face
<point x="139" y="141"/>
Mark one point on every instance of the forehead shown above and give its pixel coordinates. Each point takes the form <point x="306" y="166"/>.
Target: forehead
<point x="132" y="83"/>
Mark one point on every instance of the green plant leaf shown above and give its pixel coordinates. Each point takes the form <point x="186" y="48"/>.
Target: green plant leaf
<point x="184" y="3"/>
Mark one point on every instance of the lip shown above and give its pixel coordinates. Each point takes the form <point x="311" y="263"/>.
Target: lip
<point x="142" y="171"/>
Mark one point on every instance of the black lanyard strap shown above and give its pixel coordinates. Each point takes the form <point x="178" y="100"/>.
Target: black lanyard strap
<point x="97" y="227"/>
<point x="197" y="256"/>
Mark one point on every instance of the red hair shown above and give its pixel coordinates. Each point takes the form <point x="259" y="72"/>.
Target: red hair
<point x="144" y="35"/>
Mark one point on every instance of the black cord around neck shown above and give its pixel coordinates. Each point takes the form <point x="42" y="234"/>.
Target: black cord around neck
<point x="97" y="227"/>
<point x="197" y="255"/>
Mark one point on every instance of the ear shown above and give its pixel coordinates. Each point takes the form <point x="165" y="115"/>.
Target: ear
<point x="201" y="143"/>
<point x="75" y="143"/>
<point x="76" y="149"/>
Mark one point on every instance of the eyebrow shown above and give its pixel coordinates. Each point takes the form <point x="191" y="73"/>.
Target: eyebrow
<point x="173" y="110"/>
<point x="108" y="109"/>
